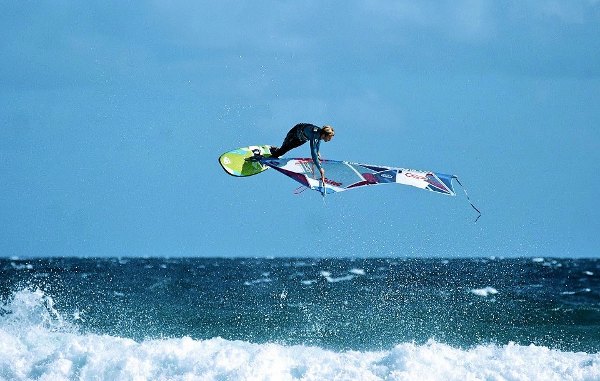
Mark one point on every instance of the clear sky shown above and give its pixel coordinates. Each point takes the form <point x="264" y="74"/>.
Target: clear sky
<point x="113" y="115"/>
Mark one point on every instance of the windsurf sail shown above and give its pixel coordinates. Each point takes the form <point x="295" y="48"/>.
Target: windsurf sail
<point x="343" y="175"/>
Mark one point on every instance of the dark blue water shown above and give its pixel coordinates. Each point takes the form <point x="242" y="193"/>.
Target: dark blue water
<point x="335" y="305"/>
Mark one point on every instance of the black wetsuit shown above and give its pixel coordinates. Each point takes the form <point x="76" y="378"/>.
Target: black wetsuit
<point x="298" y="135"/>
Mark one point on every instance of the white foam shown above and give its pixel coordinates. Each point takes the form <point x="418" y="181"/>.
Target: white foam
<point x="62" y="356"/>
<point x="257" y="281"/>
<point x="357" y="271"/>
<point x="576" y="292"/>
<point x="339" y="279"/>
<point x="484" y="291"/>
<point x="21" y="266"/>
<point x="330" y="279"/>
<point x="35" y="345"/>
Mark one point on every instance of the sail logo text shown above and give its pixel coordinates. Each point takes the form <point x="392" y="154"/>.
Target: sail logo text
<point x="415" y="176"/>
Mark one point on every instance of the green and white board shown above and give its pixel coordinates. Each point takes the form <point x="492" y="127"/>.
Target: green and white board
<point x="236" y="162"/>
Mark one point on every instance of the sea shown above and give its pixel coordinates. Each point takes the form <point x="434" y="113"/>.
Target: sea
<point x="299" y="319"/>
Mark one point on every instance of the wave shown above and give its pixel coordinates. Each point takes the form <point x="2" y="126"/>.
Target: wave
<point x="38" y="343"/>
<point x="66" y="356"/>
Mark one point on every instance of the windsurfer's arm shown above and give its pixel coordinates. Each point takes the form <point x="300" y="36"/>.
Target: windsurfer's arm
<point x="314" y="152"/>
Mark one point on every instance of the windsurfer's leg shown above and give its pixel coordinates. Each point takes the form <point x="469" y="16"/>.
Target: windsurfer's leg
<point x="290" y="142"/>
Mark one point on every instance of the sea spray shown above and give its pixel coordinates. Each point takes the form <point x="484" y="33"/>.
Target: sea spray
<point x="392" y="320"/>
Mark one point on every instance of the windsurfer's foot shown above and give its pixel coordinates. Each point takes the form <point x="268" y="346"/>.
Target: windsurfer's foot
<point x="256" y="157"/>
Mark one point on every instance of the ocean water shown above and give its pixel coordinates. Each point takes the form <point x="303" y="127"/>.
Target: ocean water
<point x="300" y="319"/>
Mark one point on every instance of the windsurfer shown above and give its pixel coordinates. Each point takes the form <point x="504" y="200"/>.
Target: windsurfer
<point x="300" y="134"/>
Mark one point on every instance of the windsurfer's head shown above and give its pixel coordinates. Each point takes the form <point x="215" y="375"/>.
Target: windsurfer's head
<point x="327" y="133"/>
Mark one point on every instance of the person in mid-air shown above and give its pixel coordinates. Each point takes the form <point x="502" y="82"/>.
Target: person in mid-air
<point x="300" y="134"/>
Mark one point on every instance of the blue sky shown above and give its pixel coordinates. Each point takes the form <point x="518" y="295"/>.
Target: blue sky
<point x="113" y="114"/>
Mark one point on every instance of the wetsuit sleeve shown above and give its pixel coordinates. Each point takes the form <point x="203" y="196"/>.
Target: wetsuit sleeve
<point x="315" y="143"/>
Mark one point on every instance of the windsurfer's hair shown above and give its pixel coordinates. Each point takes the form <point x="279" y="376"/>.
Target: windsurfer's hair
<point x="328" y="131"/>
